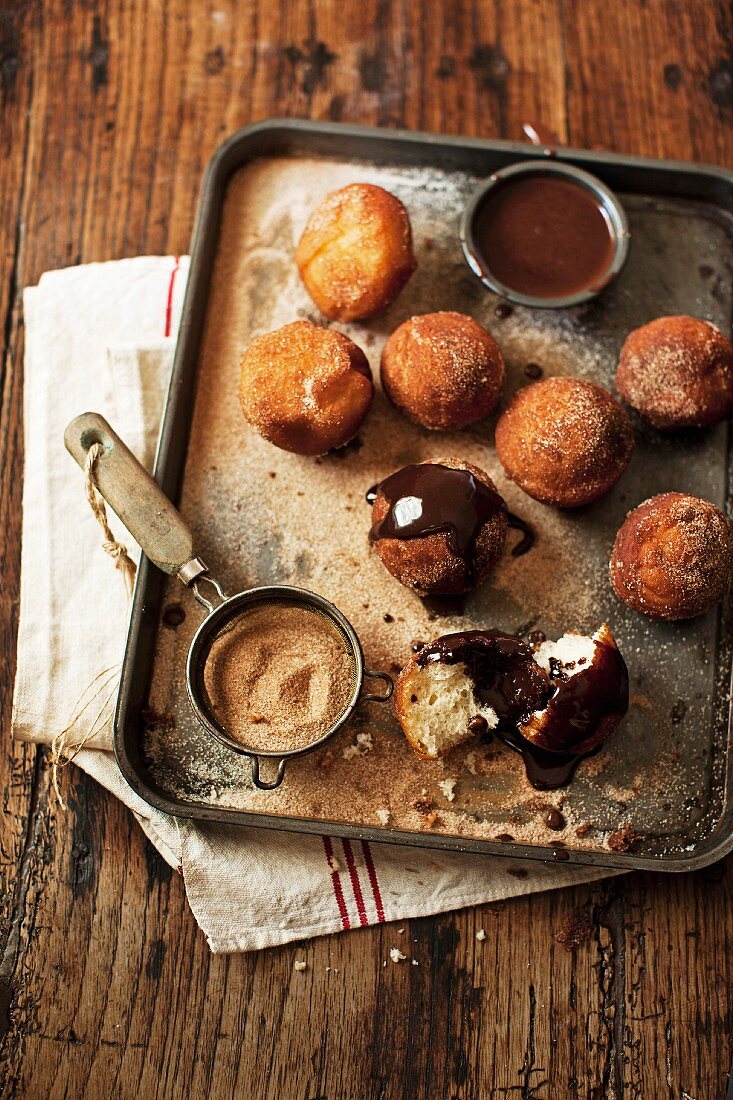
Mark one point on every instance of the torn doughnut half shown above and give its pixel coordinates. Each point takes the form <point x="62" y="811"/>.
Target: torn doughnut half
<point x="563" y="697"/>
<point x="590" y="693"/>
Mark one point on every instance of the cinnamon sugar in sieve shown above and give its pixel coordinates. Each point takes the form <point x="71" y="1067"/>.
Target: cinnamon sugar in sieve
<point x="278" y="677"/>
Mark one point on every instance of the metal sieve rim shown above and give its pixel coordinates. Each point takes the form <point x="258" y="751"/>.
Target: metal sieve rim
<point x="215" y="622"/>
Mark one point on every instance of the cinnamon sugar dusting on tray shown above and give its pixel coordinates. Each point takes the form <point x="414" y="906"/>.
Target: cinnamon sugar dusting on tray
<point x="309" y="526"/>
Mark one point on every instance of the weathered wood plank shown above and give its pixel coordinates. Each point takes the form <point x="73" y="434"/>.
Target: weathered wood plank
<point x="109" y="113"/>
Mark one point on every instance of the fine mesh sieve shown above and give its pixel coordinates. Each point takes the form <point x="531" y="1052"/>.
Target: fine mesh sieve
<point x="164" y="537"/>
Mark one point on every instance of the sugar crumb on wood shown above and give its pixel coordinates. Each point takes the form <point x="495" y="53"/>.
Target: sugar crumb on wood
<point x="575" y="928"/>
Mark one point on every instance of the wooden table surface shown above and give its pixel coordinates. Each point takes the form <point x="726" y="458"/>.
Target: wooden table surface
<point x="109" y="112"/>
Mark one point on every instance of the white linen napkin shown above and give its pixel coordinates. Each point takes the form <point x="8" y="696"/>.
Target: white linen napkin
<point x="100" y="338"/>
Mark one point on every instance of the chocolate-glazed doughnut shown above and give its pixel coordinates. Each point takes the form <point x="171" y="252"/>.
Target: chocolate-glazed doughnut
<point x="438" y="527"/>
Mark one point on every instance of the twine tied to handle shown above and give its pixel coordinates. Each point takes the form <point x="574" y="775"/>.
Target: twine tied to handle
<point x="63" y="746"/>
<point x="111" y="546"/>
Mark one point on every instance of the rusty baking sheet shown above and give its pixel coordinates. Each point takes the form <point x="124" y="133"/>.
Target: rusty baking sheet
<point x="262" y="516"/>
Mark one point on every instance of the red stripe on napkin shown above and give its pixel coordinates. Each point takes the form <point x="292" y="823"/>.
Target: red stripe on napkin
<point x="372" y="872"/>
<point x="355" y="884"/>
<point x="336" y="883"/>
<point x="169" y="301"/>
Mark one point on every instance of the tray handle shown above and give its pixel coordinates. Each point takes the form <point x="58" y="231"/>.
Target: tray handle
<point x="135" y="497"/>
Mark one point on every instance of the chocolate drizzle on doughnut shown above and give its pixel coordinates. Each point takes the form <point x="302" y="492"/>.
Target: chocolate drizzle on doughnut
<point x="428" y="498"/>
<point x="506" y="678"/>
<point x="527" y="540"/>
<point x="582" y="701"/>
<point x="501" y="668"/>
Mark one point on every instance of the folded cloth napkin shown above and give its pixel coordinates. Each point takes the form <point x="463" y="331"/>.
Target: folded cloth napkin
<point x="101" y="338"/>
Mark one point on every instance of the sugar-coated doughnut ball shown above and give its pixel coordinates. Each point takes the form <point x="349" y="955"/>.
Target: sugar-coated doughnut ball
<point x="356" y="254"/>
<point x="438" y="527"/>
<point x="564" y="441"/>
<point x="673" y="557"/>
<point x="677" y="372"/>
<point x="443" y="370"/>
<point x="304" y="388"/>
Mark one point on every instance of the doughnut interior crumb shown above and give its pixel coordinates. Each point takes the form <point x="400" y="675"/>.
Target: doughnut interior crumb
<point x="570" y="653"/>
<point x="442" y="705"/>
<point x="447" y="786"/>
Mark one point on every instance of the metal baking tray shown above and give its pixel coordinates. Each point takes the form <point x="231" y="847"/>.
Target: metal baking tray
<point x="682" y="230"/>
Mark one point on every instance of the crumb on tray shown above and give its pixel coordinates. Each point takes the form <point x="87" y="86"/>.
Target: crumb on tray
<point x="447" y="786"/>
<point x="364" y="743"/>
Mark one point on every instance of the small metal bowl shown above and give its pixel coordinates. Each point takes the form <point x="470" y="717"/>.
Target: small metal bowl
<point x="611" y="209"/>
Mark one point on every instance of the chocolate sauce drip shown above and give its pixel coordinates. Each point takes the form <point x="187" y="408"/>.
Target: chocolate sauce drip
<point x="506" y="678"/>
<point x="174" y="615"/>
<point x="428" y="498"/>
<point x="546" y="770"/>
<point x="527" y="540"/>
<point x="504" y="674"/>
<point x="371" y="494"/>
<point x="479" y="726"/>
<point x="540" y="135"/>
<point x="554" y="820"/>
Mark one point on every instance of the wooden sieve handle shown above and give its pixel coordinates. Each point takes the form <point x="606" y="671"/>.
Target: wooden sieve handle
<point x="135" y="497"/>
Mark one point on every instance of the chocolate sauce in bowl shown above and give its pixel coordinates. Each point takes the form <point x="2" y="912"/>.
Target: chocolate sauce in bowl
<point x="428" y="498"/>
<point x="544" y="237"/>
